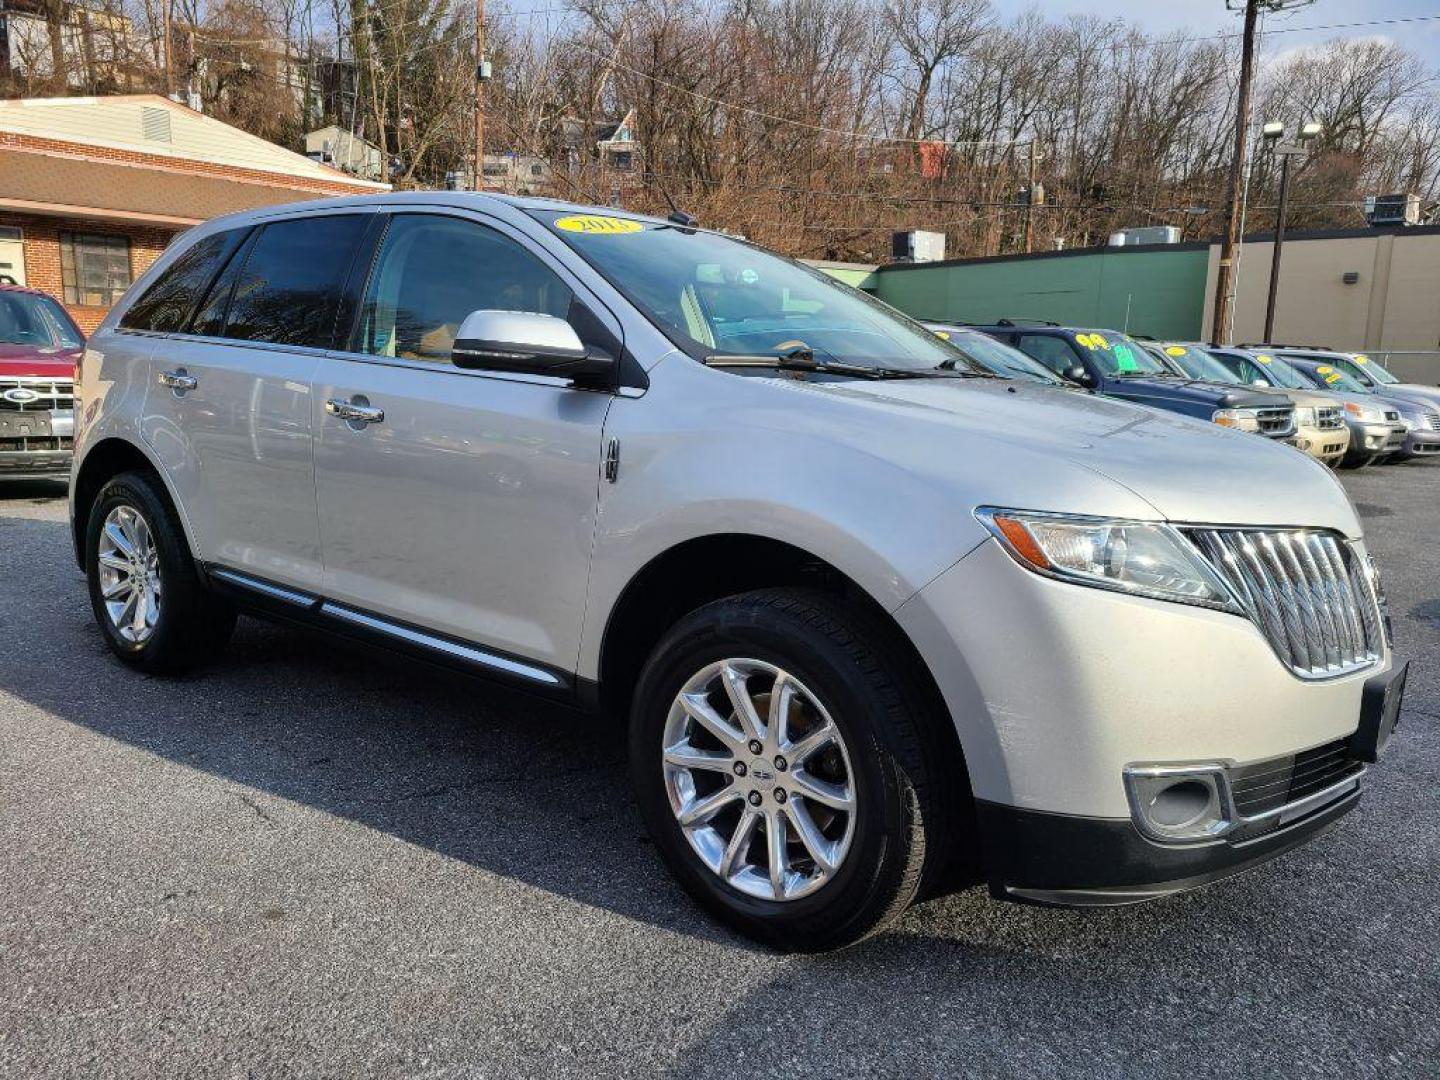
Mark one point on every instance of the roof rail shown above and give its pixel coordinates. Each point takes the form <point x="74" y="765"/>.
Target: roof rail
<point x="1026" y="322"/>
<point x="1284" y="345"/>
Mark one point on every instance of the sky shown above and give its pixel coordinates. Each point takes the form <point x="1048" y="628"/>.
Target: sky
<point x="1209" y="16"/>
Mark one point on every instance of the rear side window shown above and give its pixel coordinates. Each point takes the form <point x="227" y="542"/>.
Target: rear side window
<point x="289" y="289"/>
<point x="1054" y="352"/>
<point x="166" y="305"/>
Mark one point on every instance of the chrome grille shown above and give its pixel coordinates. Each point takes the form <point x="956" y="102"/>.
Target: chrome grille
<point x="1277" y="422"/>
<point x="36" y="395"/>
<point x="1432" y="419"/>
<point x="1307" y="591"/>
<point x="1328" y="418"/>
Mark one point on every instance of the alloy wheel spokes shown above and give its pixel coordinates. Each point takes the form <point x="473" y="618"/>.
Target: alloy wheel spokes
<point x="129" y="574"/>
<point x="759" y="779"/>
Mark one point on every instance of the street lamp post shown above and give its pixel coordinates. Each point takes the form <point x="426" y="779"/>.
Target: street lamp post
<point x="1274" y="133"/>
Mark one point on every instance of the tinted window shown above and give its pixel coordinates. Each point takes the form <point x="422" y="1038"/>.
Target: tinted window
<point x="166" y="305"/>
<point x="433" y="271"/>
<point x="289" y="289"/>
<point x="1054" y="352"/>
<point x="209" y="319"/>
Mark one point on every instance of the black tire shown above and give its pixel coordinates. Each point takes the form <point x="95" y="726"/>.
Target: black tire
<point x="193" y="624"/>
<point x="871" y="694"/>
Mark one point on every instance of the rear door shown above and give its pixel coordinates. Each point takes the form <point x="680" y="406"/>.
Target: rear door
<point x="228" y="410"/>
<point x="468" y="508"/>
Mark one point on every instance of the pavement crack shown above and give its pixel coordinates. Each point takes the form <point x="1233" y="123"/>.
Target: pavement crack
<point x="260" y="811"/>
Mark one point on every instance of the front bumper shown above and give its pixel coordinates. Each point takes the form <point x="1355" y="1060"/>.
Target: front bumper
<point x="35" y="464"/>
<point x="1324" y="444"/>
<point x="1420" y="441"/>
<point x="1377" y="438"/>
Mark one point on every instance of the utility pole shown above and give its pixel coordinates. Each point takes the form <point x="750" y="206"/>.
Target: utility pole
<point x="169" y="66"/>
<point x="481" y="74"/>
<point x="1225" y="272"/>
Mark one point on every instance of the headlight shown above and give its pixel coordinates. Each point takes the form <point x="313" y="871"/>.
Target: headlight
<point x="1243" y="419"/>
<point x="1305" y="416"/>
<point x="1366" y="413"/>
<point x="1135" y="557"/>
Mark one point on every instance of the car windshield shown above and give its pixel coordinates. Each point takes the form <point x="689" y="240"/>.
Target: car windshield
<point x="32" y="319"/>
<point x="1198" y="364"/>
<point x="1117" y="354"/>
<point x="1374" y="370"/>
<point x="1332" y="378"/>
<point x="1000" y="358"/>
<point x="1281" y="373"/>
<point x="714" y="295"/>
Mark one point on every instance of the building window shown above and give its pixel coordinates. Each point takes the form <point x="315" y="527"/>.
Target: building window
<point x="94" y="269"/>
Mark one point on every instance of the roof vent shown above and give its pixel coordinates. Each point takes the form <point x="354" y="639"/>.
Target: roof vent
<point x="155" y="124"/>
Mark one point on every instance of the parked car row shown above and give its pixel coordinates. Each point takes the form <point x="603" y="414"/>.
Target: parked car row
<point x="883" y="623"/>
<point x="39" y="344"/>
<point x="1343" y="409"/>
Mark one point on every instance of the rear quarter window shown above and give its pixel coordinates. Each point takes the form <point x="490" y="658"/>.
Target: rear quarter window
<point x="166" y="305"/>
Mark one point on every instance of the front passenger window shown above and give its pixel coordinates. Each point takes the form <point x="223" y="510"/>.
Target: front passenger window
<point x="435" y="270"/>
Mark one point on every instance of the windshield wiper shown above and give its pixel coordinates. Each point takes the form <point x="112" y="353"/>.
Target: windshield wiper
<point x="804" y="360"/>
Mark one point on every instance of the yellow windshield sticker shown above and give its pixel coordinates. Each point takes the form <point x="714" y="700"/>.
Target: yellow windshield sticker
<point x="1361" y="358"/>
<point x="1265" y="359"/>
<point x="1100" y="341"/>
<point x="1324" y="369"/>
<point x="942" y="335"/>
<point x="1333" y="378"/>
<point x="1175" y="350"/>
<point x="597" y="224"/>
<point x="1083" y="339"/>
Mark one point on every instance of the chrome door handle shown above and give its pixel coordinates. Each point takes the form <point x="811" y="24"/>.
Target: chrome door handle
<point x="177" y="380"/>
<point x="357" y="414"/>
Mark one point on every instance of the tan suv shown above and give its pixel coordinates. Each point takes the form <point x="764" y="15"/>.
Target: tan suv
<point x="1320" y="428"/>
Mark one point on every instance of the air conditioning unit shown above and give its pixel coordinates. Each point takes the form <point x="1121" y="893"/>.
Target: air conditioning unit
<point x="1399" y="209"/>
<point x="917" y="245"/>
<point x="1147" y="234"/>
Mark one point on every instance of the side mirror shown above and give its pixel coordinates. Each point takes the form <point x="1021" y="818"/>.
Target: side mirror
<point x="1076" y="373"/>
<point x="528" y="343"/>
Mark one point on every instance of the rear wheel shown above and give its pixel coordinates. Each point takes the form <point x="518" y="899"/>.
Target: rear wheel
<point x="148" y="599"/>
<point x="776" y="747"/>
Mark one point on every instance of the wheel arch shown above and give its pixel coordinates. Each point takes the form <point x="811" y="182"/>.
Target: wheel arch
<point x="702" y="569"/>
<point x="107" y="459"/>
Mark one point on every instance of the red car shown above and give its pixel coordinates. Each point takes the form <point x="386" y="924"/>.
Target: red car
<point x="39" y="346"/>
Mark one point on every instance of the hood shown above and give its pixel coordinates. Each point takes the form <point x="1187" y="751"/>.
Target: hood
<point x="1188" y="470"/>
<point x="1177" y="391"/>
<point x="1429" y="396"/>
<point x="34" y="361"/>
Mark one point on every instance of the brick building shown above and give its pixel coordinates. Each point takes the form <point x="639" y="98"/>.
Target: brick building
<point x="92" y="189"/>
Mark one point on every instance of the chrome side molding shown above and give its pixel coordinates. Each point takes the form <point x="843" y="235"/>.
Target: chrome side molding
<point x="264" y="588"/>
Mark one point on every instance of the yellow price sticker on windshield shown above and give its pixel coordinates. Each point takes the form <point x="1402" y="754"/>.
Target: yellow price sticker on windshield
<point x="598" y="225"/>
<point x="1324" y="369"/>
<point x="1333" y="378"/>
<point x="1265" y="359"/>
<point x="1099" y="341"/>
<point x="1084" y="339"/>
<point x="1175" y="350"/>
<point x="943" y="335"/>
<point x="1361" y="358"/>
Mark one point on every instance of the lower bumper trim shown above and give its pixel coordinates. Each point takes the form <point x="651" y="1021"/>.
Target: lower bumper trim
<point x="1062" y="860"/>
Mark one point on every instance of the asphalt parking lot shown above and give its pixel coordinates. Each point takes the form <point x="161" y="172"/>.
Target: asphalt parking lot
<point x="317" y="861"/>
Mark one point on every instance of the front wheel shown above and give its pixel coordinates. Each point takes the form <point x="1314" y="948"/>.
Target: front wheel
<point x="776" y="749"/>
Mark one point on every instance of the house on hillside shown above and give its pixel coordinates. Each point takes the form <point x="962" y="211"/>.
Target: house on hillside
<point x="92" y="189"/>
<point x="333" y="145"/>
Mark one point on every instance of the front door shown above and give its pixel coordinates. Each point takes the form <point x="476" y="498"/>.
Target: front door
<point x="466" y="504"/>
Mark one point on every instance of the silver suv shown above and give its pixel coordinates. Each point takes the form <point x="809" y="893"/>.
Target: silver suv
<point x="884" y="624"/>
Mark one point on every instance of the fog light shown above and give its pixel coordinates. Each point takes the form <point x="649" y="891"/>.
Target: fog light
<point x="1179" y="803"/>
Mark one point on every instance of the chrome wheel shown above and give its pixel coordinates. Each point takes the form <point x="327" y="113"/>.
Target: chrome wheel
<point x="759" y="778"/>
<point x="129" y="574"/>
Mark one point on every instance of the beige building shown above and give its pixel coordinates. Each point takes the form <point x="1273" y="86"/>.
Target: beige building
<point x="1376" y="289"/>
